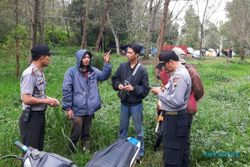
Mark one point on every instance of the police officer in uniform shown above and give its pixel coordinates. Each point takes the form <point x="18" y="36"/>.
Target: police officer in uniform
<point x="173" y="101"/>
<point x="34" y="99"/>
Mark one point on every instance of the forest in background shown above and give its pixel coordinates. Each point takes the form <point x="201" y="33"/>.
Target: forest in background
<point x="222" y="123"/>
<point x="104" y="24"/>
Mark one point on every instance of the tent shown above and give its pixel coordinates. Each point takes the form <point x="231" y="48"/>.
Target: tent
<point x="170" y="47"/>
<point x="211" y="52"/>
<point x="196" y="54"/>
<point x="180" y="52"/>
<point x="190" y="50"/>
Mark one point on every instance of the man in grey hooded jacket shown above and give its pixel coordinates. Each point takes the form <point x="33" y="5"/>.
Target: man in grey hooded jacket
<point x="81" y="97"/>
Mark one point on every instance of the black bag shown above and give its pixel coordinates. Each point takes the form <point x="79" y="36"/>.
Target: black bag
<point x="123" y="95"/>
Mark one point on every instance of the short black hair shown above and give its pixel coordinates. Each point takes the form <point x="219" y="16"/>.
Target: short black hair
<point x="136" y="48"/>
<point x="169" y="55"/>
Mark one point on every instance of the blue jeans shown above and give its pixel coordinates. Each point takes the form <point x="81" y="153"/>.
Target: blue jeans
<point x="137" y="115"/>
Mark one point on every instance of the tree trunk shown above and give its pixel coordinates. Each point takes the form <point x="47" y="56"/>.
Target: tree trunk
<point x="161" y="36"/>
<point x="151" y="23"/>
<point x="162" y="30"/>
<point x="84" y="25"/>
<point x="33" y="30"/>
<point x="41" y="16"/>
<point x="103" y="23"/>
<point x="201" y="41"/>
<point x="53" y="26"/>
<point x="117" y="46"/>
<point x="66" y="22"/>
<point x="202" y="29"/>
<point x="149" y="30"/>
<point x="17" y="41"/>
<point x="208" y="12"/>
<point x="242" y="53"/>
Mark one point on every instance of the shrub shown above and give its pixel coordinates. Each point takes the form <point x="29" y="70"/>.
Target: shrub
<point x="56" y="35"/>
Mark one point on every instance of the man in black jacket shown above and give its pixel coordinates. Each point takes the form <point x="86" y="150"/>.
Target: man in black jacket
<point x="131" y="80"/>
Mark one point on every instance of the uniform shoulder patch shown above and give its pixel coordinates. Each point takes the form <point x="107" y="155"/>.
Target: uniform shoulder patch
<point x="176" y="79"/>
<point x="33" y="72"/>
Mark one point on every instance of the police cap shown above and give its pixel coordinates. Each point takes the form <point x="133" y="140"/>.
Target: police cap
<point x="169" y="55"/>
<point x="39" y="50"/>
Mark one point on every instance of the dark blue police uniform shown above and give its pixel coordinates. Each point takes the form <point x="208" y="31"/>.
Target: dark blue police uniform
<point x="176" y="128"/>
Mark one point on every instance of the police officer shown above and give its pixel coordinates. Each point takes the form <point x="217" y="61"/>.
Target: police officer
<point x="173" y="101"/>
<point x="34" y="99"/>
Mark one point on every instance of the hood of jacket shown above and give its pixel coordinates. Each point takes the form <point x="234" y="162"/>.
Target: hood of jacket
<point x="79" y="56"/>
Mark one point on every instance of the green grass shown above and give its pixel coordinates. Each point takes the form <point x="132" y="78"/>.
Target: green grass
<point x="221" y="124"/>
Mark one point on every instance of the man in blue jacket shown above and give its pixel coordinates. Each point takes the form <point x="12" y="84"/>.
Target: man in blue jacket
<point x="81" y="97"/>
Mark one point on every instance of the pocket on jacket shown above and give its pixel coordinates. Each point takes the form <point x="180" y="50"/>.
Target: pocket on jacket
<point x="79" y="102"/>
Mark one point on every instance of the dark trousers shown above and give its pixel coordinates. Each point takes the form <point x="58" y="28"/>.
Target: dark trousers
<point x="80" y="129"/>
<point x="176" y="132"/>
<point x="32" y="132"/>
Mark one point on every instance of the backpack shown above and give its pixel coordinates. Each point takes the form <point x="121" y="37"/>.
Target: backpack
<point x="197" y="90"/>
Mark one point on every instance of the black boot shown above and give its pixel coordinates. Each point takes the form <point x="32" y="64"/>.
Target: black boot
<point x="86" y="145"/>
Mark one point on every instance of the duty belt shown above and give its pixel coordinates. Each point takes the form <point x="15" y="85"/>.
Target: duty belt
<point x="172" y="113"/>
<point x="36" y="111"/>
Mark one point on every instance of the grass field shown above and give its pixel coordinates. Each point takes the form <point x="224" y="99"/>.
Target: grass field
<point x="221" y="126"/>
